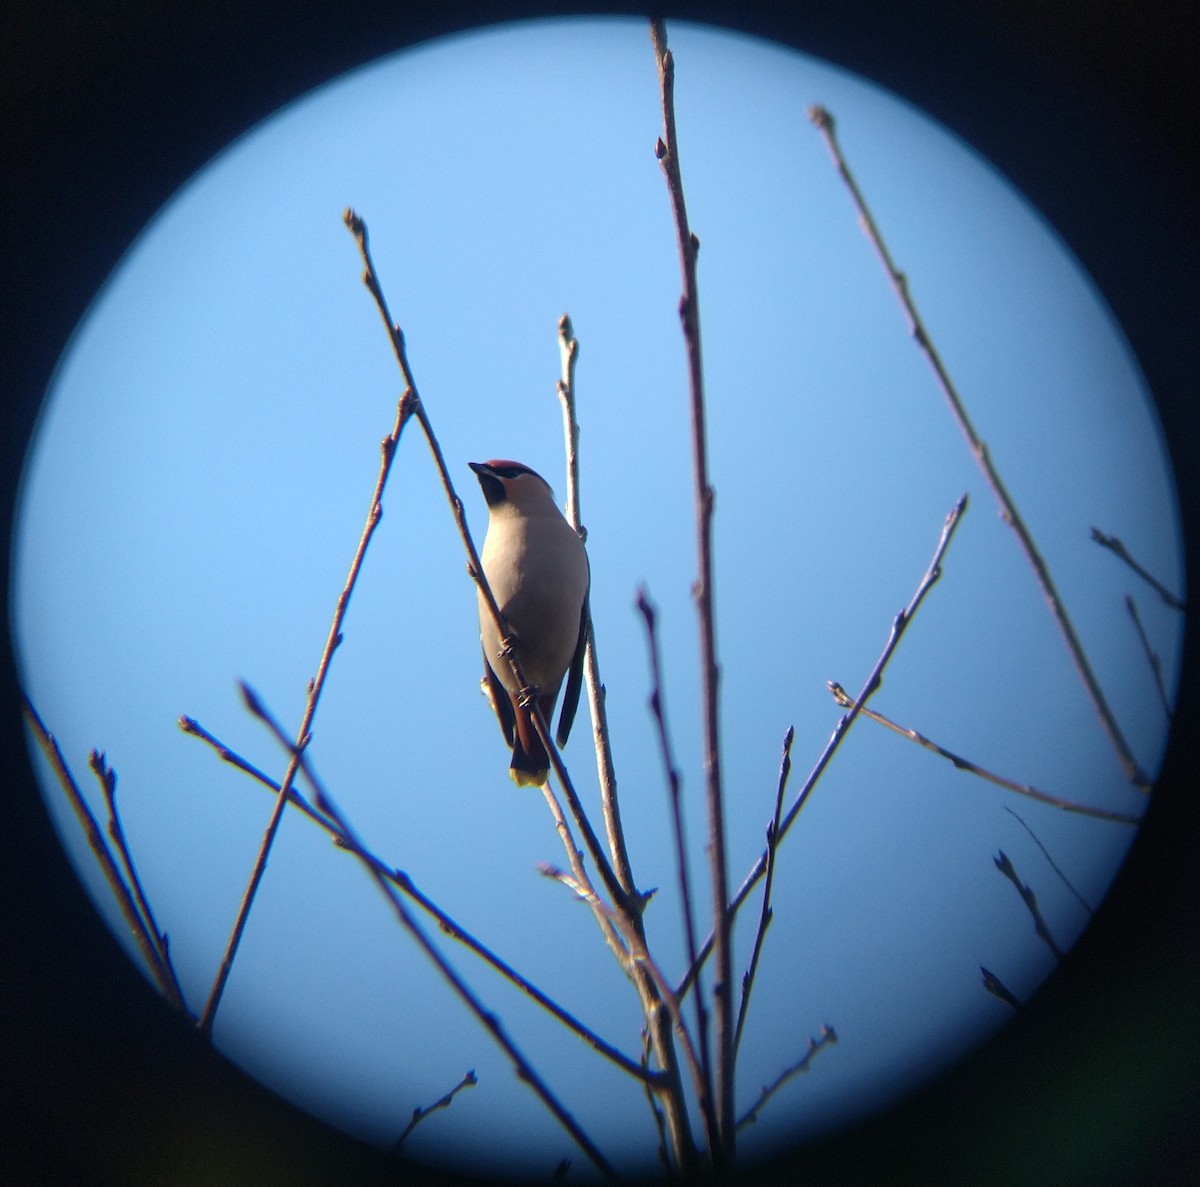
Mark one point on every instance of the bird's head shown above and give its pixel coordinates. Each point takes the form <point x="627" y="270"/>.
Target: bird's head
<point x="510" y="483"/>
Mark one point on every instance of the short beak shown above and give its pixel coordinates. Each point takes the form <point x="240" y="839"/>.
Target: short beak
<point x="490" y="481"/>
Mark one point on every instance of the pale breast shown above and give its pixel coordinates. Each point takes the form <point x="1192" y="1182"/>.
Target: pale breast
<point x="539" y="579"/>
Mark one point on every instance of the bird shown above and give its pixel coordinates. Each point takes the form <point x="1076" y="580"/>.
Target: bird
<point x="537" y="568"/>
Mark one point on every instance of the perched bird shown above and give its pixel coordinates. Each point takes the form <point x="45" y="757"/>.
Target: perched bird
<point x="537" y="568"/>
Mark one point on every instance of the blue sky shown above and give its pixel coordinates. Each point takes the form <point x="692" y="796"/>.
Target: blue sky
<point x="206" y="459"/>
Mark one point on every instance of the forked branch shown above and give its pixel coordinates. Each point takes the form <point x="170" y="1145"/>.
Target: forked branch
<point x="844" y="699"/>
<point x="407" y="404"/>
<point x="444" y="1102"/>
<point x="899" y="626"/>
<point x="446" y="923"/>
<point x="899" y="282"/>
<point x="148" y="940"/>
<point x="826" y="1038"/>
<point x="1114" y="545"/>
<point x="640" y="955"/>
<point x="488" y="1019"/>
<point x="766" y="912"/>
<point x="107" y="778"/>
<point x="1004" y="864"/>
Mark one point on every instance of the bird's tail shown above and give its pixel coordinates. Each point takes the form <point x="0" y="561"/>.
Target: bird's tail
<point x="530" y="766"/>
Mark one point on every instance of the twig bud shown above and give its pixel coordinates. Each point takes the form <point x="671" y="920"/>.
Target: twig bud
<point x="820" y="118"/>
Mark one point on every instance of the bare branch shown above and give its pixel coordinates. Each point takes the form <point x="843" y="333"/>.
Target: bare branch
<point x="667" y="151"/>
<point x="1006" y="867"/>
<point x="1008" y="510"/>
<point x="653" y="991"/>
<point x="1053" y="864"/>
<point x="568" y="349"/>
<point x="524" y="1069"/>
<point x="1118" y="549"/>
<point x="407" y="404"/>
<point x="766" y="914"/>
<point x="137" y="925"/>
<point x="658" y="711"/>
<point x="844" y="699"/>
<point x="1151" y="656"/>
<point x="108" y="782"/>
<point x="446" y="923"/>
<point x="419" y="1114"/>
<point x="614" y="888"/>
<point x="604" y="917"/>
<point x="641" y="956"/>
<point x="826" y="1038"/>
<point x="569" y="352"/>
<point x="655" y="1109"/>
<point x="899" y="625"/>
<point x="191" y="726"/>
<point x="874" y="680"/>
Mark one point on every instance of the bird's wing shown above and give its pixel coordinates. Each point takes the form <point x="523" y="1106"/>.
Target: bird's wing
<point x="574" y="682"/>
<point x="501" y="701"/>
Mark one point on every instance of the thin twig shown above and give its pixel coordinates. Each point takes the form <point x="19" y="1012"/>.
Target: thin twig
<point x="446" y="923"/>
<point x="107" y="778"/>
<point x="404" y="409"/>
<point x="826" y="1038"/>
<point x="655" y="1109"/>
<point x="1005" y="866"/>
<point x="844" y="699"/>
<point x="603" y="917"/>
<point x="1118" y="549"/>
<point x="419" y="1114"/>
<point x="568" y="349"/>
<point x="1152" y="657"/>
<point x="108" y="867"/>
<point x="1008" y="510"/>
<point x="371" y="280"/>
<point x="583" y="890"/>
<point x="667" y="151"/>
<point x="653" y="992"/>
<point x="568" y="346"/>
<point x="1053" y="864"/>
<point x="191" y="726"/>
<point x="997" y="988"/>
<point x="524" y="1069"/>
<point x="874" y="680"/>
<point x="767" y="912"/>
<point x="658" y="711"/>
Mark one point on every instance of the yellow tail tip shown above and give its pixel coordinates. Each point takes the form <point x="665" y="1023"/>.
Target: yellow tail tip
<point x="528" y="778"/>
